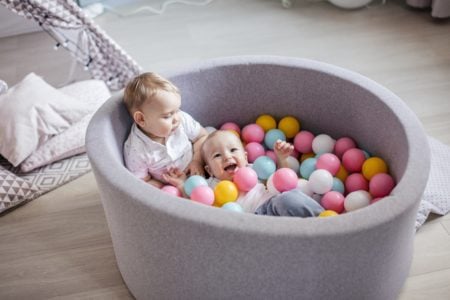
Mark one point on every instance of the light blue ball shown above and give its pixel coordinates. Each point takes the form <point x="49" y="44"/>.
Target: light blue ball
<point x="192" y="182"/>
<point x="272" y="136"/>
<point x="233" y="206"/>
<point x="338" y="186"/>
<point x="307" y="167"/>
<point x="264" y="166"/>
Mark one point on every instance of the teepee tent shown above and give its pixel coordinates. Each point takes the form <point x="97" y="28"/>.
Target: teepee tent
<point x="66" y="22"/>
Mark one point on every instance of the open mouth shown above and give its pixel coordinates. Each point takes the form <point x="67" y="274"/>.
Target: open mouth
<point x="231" y="168"/>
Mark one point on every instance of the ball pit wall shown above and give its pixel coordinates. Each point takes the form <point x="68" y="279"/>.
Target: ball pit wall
<point x="167" y="248"/>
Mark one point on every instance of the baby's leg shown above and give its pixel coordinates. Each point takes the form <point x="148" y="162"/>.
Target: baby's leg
<point x="293" y="203"/>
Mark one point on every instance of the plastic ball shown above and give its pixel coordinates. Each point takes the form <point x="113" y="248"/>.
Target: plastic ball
<point x="270" y="187"/>
<point x="306" y="156"/>
<point x="210" y="129"/>
<point x="285" y="179"/>
<point x="353" y="159"/>
<point x="333" y="201"/>
<point x="381" y="185"/>
<point x="233" y="206"/>
<point x="307" y="167"/>
<point x="245" y="179"/>
<point x="373" y="166"/>
<point x="290" y="126"/>
<point x="266" y="122"/>
<point x="321" y="181"/>
<point x="323" y="143"/>
<point x="264" y="167"/>
<point x="329" y="162"/>
<point x="231" y="126"/>
<point x="203" y="194"/>
<point x="303" y="186"/>
<point x="338" y="185"/>
<point x="225" y="191"/>
<point x="170" y="189"/>
<point x="343" y="144"/>
<point x="272" y="136"/>
<point x="254" y="150"/>
<point x="328" y="213"/>
<point x="350" y="4"/>
<point x="356" y="200"/>
<point x="355" y="182"/>
<point x="192" y="182"/>
<point x="303" y="141"/>
<point x="272" y="155"/>
<point x="342" y="174"/>
<point x="252" y="133"/>
<point x="293" y="164"/>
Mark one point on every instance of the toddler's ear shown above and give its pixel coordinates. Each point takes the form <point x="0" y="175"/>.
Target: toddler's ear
<point x="207" y="169"/>
<point x="138" y="117"/>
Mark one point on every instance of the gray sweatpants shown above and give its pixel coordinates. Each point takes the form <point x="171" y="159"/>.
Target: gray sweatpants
<point x="292" y="203"/>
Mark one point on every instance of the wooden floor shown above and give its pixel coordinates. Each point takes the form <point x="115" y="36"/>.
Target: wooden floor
<point x="58" y="246"/>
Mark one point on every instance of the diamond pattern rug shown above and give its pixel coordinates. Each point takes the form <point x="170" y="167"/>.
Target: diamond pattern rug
<point x="18" y="188"/>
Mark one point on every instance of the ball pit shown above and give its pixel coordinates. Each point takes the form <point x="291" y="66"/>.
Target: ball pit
<point x="167" y="248"/>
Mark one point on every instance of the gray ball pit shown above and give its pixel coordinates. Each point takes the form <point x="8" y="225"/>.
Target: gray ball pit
<point x="168" y="248"/>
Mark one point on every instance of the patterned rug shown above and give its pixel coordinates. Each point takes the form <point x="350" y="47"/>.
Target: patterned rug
<point x="18" y="188"/>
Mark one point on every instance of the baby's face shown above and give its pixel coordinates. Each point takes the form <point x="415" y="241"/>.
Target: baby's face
<point x="161" y="115"/>
<point x="224" y="154"/>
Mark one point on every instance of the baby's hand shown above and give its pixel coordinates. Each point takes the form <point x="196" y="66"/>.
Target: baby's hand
<point x="282" y="150"/>
<point x="175" y="177"/>
<point x="195" y="168"/>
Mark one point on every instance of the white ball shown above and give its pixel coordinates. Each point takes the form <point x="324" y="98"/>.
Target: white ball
<point x="210" y="129"/>
<point x="320" y="181"/>
<point x="293" y="164"/>
<point x="356" y="200"/>
<point x="303" y="186"/>
<point x="323" y="143"/>
<point x="270" y="187"/>
<point x="350" y="4"/>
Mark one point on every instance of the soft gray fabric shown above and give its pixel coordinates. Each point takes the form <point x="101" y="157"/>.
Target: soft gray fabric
<point x="439" y="8"/>
<point x="167" y="248"/>
<point x="292" y="203"/>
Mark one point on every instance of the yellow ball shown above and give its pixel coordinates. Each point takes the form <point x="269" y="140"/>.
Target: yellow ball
<point x="225" y="191"/>
<point x="290" y="126"/>
<point x="328" y="213"/>
<point x="342" y="173"/>
<point x="306" y="156"/>
<point x="373" y="166"/>
<point x="267" y="122"/>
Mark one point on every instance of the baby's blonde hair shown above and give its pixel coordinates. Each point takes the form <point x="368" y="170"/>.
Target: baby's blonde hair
<point x="144" y="87"/>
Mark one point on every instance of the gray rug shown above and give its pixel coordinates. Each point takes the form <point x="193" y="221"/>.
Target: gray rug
<point x="18" y="188"/>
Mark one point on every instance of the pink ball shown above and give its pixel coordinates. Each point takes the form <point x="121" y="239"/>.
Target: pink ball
<point x="252" y="133"/>
<point x="285" y="179"/>
<point x="231" y="126"/>
<point x="333" y="201"/>
<point x="343" y="144"/>
<point x="203" y="194"/>
<point x="303" y="141"/>
<point x="170" y="189"/>
<point x="245" y="179"/>
<point x="353" y="159"/>
<point x="272" y="155"/>
<point x="329" y="162"/>
<point x="356" y="182"/>
<point x="295" y="154"/>
<point x="381" y="185"/>
<point x="254" y="150"/>
<point x="375" y="200"/>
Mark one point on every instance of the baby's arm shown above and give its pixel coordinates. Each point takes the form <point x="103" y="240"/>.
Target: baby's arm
<point x="196" y="165"/>
<point x="282" y="150"/>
